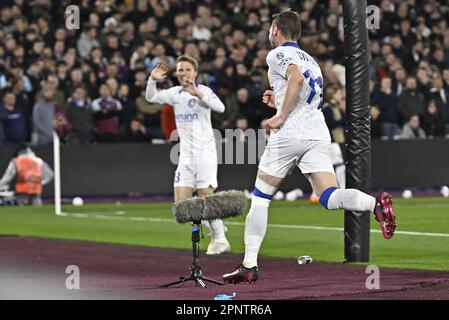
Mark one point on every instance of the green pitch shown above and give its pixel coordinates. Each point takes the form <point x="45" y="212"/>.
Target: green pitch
<point x="295" y="229"/>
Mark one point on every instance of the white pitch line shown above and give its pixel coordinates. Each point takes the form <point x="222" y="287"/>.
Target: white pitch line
<point x="426" y="205"/>
<point x="92" y="212"/>
<point x="413" y="233"/>
<point x="233" y="223"/>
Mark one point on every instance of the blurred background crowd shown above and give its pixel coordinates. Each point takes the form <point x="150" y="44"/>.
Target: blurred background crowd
<point x="88" y="84"/>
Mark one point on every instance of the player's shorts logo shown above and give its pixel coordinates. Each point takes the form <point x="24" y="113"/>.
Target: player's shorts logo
<point x="279" y="55"/>
<point x="191" y="103"/>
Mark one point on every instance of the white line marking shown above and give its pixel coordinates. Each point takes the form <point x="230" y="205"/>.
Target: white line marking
<point x="94" y="212"/>
<point x="233" y="223"/>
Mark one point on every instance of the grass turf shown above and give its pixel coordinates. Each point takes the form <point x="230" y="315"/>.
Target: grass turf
<point x="288" y="234"/>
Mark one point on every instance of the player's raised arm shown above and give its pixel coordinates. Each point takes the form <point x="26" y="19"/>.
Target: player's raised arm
<point x="295" y="80"/>
<point x="158" y="73"/>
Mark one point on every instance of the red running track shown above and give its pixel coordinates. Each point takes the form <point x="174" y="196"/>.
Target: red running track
<point x="34" y="268"/>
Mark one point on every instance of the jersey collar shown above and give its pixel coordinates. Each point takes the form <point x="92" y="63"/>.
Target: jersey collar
<point x="291" y="44"/>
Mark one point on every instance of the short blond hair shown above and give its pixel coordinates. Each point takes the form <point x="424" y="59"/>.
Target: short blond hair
<point x="189" y="59"/>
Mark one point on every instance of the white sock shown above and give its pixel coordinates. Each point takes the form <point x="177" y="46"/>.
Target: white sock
<point x="350" y="199"/>
<point x="340" y="174"/>
<point x="217" y="229"/>
<point x="255" y="229"/>
<point x="206" y="224"/>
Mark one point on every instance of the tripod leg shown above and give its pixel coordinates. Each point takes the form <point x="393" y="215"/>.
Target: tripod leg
<point x="195" y="274"/>
<point x="198" y="280"/>
<point x="212" y="281"/>
<point x="183" y="279"/>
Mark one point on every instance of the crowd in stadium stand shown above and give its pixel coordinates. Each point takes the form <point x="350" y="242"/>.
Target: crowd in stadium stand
<point x="88" y="84"/>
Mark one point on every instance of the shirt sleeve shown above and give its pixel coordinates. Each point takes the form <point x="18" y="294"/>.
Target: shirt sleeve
<point x="9" y="175"/>
<point x="155" y="96"/>
<point x="279" y="60"/>
<point x="47" y="174"/>
<point x="211" y="100"/>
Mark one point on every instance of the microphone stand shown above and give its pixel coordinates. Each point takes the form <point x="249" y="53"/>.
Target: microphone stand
<point x="195" y="271"/>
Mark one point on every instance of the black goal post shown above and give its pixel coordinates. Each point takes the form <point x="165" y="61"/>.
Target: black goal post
<point x="357" y="127"/>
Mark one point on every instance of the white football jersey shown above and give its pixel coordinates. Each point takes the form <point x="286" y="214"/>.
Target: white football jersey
<point x="193" y="122"/>
<point x="306" y="120"/>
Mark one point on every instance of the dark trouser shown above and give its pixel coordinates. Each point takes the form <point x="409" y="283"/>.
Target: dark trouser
<point x="28" y="199"/>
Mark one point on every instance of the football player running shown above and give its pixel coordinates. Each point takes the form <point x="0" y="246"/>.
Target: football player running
<point x="299" y="137"/>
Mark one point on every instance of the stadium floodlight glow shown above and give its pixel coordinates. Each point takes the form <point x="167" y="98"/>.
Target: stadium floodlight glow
<point x="220" y="205"/>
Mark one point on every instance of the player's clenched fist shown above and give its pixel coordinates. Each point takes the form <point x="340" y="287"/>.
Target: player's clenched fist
<point x="268" y="98"/>
<point x="159" y="72"/>
<point x="275" y="122"/>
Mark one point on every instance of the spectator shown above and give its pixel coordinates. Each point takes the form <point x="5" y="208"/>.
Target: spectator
<point x="423" y="76"/>
<point x="432" y="122"/>
<point x="76" y="80"/>
<point x="52" y="81"/>
<point x="249" y="109"/>
<point x="13" y="120"/>
<point x="149" y="115"/>
<point x="410" y="102"/>
<point x="122" y="70"/>
<point x="397" y="45"/>
<point x="112" y="83"/>
<point x="413" y="57"/>
<point x="227" y="37"/>
<point x="43" y="117"/>
<point x="87" y="41"/>
<point x="334" y="114"/>
<point x="437" y="59"/>
<point x="412" y="130"/>
<point x="63" y="75"/>
<point x="97" y="62"/>
<point x="23" y="99"/>
<point x="111" y="46"/>
<point x="406" y="30"/>
<point x="399" y="84"/>
<point x="129" y="108"/>
<point x="227" y="119"/>
<point x="80" y="114"/>
<point x="446" y="79"/>
<point x="440" y="96"/>
<point x="388" y="108"/>
<point x="134" y="131"/>
<point x="242" y="125"/>
<point x="200" y="30"/>
<point x="140" y="83"/>
<point x="14" y="72"/>
<point x="106" y="116"/>
<point x="376" y="124"/>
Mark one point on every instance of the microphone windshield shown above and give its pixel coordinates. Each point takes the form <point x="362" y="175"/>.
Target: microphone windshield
<point x="224" y="204"/>
<point x="220" y="205"/>
<point x="188" y="210"/>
